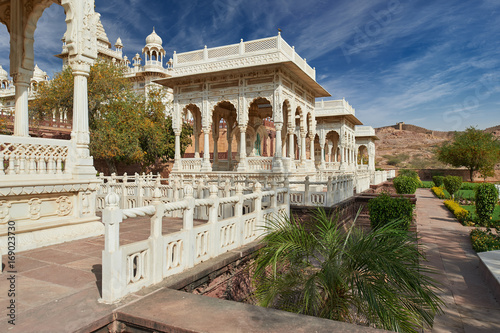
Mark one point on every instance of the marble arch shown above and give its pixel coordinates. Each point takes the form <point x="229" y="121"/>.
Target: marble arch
<point x="54" y="183"/>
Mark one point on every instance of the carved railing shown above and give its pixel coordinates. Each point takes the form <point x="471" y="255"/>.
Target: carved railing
<point x="379" y="177"/>
<point x="260" y="163"/>
<point x="333" y="191"/>
<point x="36" y="157"/>
<point x="232" y="221"/>
<point x="191" y="164"/>
<point x="250" y="48"/>
<point x="362" y="181"/>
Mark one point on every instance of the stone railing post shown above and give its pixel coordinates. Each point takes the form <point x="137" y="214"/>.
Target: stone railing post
<point x="274" y="197"/>
<point x="329" y="191"/>
<point x="155" y="266"/>
<point x="307" y="199"/>
<point x="257" y="188"/>
<point x="113" y="268"/>
<point x="213" y="217"/>
<point x="187" y="225"/>
<point x="238" y="213"/>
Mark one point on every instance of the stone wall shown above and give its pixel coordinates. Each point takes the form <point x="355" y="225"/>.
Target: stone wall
<point x="426" y="174"/>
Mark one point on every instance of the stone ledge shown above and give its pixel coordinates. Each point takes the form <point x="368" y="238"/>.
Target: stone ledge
<point x="489" y="266"/>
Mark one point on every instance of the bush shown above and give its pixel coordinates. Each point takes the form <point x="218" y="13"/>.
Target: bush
<point x="460" y="213"/>
<point x="384" y="209"/>
<point x="486" y="199"/>
<point x="438" y="191"/>
<point x="483" y="241"/>
<point x="438" y="180"/>
<point x="452" y="184"/>
<point x="409" y="173"/>
<point x="405" y="184"/>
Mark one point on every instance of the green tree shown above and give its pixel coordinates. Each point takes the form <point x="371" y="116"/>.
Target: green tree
<point x="124" y="126"/>
<point x="474" y="149"/>
<point x="374" y="278"/>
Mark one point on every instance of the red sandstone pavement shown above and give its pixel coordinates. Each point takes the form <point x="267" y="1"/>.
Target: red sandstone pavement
<point x="470" y="305"/>
<point x="57" y="287"/>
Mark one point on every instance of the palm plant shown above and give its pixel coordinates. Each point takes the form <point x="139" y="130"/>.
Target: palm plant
<point x="372" y="278"/>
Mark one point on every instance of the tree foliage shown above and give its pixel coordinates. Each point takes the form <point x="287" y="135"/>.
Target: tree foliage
<point x="474" y="149"/>
<point x="373" y="278"/>
<point x="124" y="126"/>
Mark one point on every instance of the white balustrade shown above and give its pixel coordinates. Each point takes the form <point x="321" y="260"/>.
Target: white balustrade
<point x="37" y="157"/>
<point x="128" y="268"/>
<point x="191" y="164"/>
<point x="251" y="48"/>
<point x="260" y="163"/>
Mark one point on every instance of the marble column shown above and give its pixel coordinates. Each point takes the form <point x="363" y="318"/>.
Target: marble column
<point x="21" y="119"/>
<point x="242" y="165"/>
<point x="205" y="166"/>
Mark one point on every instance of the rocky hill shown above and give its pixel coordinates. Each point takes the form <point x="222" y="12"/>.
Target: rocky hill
<point x="409" y="146"/>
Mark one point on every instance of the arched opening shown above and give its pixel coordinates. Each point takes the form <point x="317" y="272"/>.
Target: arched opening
<point x="363" y="157"/>
<point x="225" y="147"/>
<point x="191" y="114"/>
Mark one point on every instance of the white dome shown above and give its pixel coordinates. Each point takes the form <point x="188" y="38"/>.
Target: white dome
<point x="154" y="38"/>
<point x="119" y="42"/>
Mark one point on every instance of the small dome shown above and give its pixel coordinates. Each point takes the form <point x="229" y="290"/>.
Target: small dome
<point x="154" y="38"/>
<point x="3" y="73"/>
<point x="119" y="42"/>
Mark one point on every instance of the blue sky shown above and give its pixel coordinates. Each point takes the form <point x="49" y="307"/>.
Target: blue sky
<point x="434" y="64"/>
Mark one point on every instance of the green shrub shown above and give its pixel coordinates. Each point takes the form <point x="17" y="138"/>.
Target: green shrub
<point x="438" y="191"/>
<point x="409" y="173"/>
<point x="486" y="199"/>
<point x="438" y="180"/>
<point x="452" y="184"/>
<point x="405" y="184"/>
<point x="384" y="209"/>
<point x="483" y="241"/>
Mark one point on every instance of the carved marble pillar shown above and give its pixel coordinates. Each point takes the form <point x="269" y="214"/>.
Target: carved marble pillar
<point x="242" y="165"/>
<point x="303" y="147"/>
<point x="177" y="157"/>
<point x="371" y="156"/>
<point x="277" y="160"/>
<point x="311" y="147"/>
<point x="205" y="166"/>
<point x="196" y="144"/>
<point x="21" y="119"/>
<point x="229" y="148"/>
<point x="80" y="135"/>
<point x="322" y="157"/>
<point x="291" y="145"/>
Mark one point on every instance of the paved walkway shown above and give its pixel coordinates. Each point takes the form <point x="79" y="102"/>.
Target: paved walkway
<point x="471" y="306"/>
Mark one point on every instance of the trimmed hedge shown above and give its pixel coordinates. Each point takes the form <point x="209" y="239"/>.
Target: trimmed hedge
<point x="438" y="180"/>
<point x="438" y="191"/>
<point x="384" y="209"/>
<point x="405" y="184"/>
<point x="483" y="241"/>
<point x="486" y="199"/>
<point x="452" y="184"/>
<point x="460" y="213"/>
